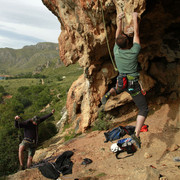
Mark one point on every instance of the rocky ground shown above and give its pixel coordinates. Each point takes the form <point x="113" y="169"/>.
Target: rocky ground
<point x="160" y="144"/>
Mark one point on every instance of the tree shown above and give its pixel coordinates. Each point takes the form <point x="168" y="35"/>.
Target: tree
<point x="2" y="90"/>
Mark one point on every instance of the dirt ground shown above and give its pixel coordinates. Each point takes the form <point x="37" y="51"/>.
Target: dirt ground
<point x="155" y="159"/>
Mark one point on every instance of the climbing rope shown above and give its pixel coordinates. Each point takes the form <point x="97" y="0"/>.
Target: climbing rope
<point x="122" y="9"/>
<point x="107" y="41"/>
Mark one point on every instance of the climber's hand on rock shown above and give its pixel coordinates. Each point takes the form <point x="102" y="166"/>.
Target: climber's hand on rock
<point x="120" y="16"/>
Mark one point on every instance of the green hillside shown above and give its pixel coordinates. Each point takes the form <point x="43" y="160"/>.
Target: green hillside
<point x="28" y="59"/>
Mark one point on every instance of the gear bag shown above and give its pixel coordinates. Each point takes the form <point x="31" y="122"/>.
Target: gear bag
<point x="127" y="147"/>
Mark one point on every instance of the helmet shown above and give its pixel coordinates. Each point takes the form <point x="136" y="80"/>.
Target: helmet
<point x="115" y="148"/>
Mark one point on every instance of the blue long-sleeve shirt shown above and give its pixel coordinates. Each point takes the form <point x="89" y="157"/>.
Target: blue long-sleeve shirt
<point x="30" y="130"/>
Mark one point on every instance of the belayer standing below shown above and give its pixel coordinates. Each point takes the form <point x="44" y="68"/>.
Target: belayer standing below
<point x="126" y="59"/>
<point x="30" y="140"/>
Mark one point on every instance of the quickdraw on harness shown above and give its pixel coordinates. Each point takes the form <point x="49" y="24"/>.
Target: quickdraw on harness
<point x="107" y="38"/>
<point x="142" y="90"/>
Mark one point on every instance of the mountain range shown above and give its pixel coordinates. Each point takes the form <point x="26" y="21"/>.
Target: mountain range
<point x="29" y="59"/>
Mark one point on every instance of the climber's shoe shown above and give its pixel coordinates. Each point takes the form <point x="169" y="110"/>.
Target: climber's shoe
<point x="21" y="168"/>
<point x="86" y="161"/>
<point x="137" y="140"/>
<point x="105" y="98"/>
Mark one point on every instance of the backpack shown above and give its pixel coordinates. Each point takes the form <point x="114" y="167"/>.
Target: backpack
<point x="118" y="132"/>
<point x="52" y="170"/>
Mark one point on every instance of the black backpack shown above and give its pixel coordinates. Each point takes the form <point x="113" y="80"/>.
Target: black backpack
<point x="62" y="165"/>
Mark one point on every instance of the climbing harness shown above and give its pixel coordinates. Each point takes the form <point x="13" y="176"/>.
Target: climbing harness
<point x="107" y="38"/>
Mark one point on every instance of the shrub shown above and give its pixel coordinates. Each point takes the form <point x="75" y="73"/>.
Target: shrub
<point x="102" y="123"/>
<point x="46" y="131"/>
<point x="2" y="89"/>
<point x="22" y="89"/>
<point x="1" y="97"/>
<point x="8" y="151"/>
<point x="17" y="107"/>
<point x="70" y="136"/>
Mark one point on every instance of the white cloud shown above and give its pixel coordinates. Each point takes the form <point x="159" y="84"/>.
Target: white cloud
<point x="26" y="22"/>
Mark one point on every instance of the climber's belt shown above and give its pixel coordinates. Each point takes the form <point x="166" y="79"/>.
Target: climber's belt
<point x="134" y="94"/>
<point x="132" y="78"/>
<point x="28" y="140"/>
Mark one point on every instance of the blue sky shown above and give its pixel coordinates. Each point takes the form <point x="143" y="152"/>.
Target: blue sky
<point x="26" y="22"/>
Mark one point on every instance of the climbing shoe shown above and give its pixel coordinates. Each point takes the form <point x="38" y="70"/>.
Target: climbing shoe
<point x="86" y="161"/>
<point x="105" y="98"/>
<point x="137" y="140"/>
<point x="21" y="168"/>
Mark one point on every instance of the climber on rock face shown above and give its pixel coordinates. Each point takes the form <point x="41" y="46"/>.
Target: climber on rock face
<point x="29" y="142"/>
<point x="126" y="59"/>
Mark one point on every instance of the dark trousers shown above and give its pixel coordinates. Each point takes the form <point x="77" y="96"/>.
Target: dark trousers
<point x="134" y="89"/>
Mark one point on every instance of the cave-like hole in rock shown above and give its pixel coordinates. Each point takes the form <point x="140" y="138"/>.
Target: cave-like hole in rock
<point x="78" y="109"/>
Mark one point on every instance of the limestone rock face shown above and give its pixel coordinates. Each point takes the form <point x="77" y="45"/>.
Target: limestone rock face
<point x="83" y="40"/>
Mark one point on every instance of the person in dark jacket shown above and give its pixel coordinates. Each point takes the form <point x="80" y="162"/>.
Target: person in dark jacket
<point x="30" y="140"/>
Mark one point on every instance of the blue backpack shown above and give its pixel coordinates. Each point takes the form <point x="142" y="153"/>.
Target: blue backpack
<point x="118" y="132"/>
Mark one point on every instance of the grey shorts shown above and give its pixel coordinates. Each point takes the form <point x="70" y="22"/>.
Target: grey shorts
<point x="29" y="146"/>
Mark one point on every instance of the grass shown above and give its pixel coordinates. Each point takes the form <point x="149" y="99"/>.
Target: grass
<point x="67" y="76"/>
<point x="71" y="73"/>
<point x="66" y="126"/>
<point x="12" y="85"/>
<point x="101" y="175"/>
<point x="70" y="136"/>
